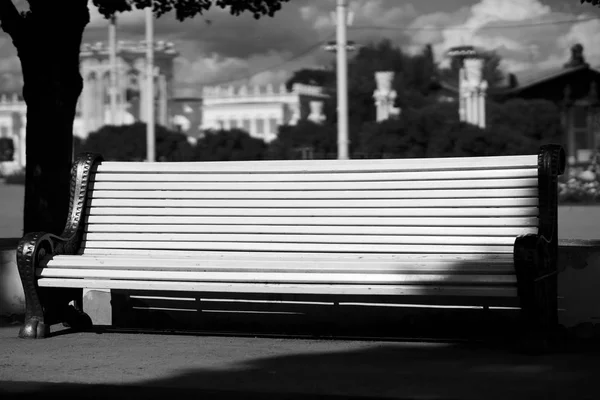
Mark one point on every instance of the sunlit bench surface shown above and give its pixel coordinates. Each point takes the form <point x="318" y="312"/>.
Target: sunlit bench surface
<point x="473" y="230"/>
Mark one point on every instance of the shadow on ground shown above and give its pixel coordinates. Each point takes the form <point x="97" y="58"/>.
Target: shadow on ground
<point x="249" y="368"/>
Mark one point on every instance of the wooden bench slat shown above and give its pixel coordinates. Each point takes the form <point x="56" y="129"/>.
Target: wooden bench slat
<point x="304" y="229"/>
<point x="310" y="247"/>
<point x="314" y="289"/>
<point x="299" y="186"/>
<point x="327" y="166"/>
<point x="290" y="256"/>
<point x="314" y="194"/>
<point x="295" y="238"/>
<point x="493" y="266"/>
<point x="324" y="212"/>
<point x="467" y="221"/>
<point x="278" y="277"/>
<point x="314" y="177"/>
<point x="316" y="203"/>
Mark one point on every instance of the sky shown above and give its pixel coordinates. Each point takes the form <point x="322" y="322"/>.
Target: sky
<point x="218" y="48"/>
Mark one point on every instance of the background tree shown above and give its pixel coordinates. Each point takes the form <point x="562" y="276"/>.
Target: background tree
<point x="7" y="149"/>
<point x="321" y="139"/>
<point x="413" y="80"/>
<point x="231" y="145"/>
<point x="52" y="85"/>
<point x="128" y="143"/>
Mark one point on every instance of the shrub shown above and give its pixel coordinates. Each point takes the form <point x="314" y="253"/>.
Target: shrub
<point x="15" y="178"/>
<point x="7" y="149"/>
<point x="581" y="185"/>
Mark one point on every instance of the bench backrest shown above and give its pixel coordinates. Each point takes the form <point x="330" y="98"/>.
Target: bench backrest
<point x="472" y="206"/>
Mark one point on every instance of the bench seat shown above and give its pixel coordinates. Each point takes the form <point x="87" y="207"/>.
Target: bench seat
<point x="357" y="274"/>
<point x="475" y="231"/>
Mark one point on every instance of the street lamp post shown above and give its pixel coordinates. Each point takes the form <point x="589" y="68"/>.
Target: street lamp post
<point x="341" y="47"/>
<point x="342" y="80"/>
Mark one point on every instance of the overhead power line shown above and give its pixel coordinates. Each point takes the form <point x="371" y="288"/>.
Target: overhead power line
<point x="318" y="45"/>
<point x="457" y="28"/>
<point x="295" y="57"/>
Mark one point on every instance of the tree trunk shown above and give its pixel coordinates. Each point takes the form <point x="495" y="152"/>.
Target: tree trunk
<point x="49" y="47"/>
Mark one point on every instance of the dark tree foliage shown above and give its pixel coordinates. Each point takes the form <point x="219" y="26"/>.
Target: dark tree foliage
<point x="7" y="149"/>
<point x="317" y="77"/>
<point x="321" y="139"/>
<point x="231" y="145"/>
<point x="435" y="131"/>
<point x="593" y="2"/>
<point x="52" y="85"/>
<point x="128" y="143"/>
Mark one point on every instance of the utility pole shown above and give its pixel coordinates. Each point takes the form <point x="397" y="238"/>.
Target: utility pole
<point x="342" y="80"/>
<point x="112" y="48"/>
<point x="150" y="137"/>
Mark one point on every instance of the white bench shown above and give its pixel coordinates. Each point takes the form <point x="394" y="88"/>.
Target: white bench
<point x="477" y="231"/>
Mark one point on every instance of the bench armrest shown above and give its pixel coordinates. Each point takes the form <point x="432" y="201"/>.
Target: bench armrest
<point x="42" y="309"/>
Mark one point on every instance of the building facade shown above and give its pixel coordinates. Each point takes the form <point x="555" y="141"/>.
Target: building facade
<point x="131" y="95"/>
<point x="260" y="110"/>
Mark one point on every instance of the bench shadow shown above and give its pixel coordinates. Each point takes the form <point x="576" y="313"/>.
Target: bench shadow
<point x="364" y="371"/>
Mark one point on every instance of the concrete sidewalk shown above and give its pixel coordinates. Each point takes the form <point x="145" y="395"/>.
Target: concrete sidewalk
<point x="117" y="365"/>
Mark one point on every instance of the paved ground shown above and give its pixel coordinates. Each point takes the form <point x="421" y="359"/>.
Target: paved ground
<point x="117" y="365"/>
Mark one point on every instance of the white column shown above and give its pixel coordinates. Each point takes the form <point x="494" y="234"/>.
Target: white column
<point x="253" y="127"/>
<point x="163" y="97"/>
<point x="112" y="43"/>
<point x="481" y="104"/>
<point x="100" y="91"/>
<point x="84" y="104"/>
<point x="22" y="140"/>
<point x="150" y="137"/>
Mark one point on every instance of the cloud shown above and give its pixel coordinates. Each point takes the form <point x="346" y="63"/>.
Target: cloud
<point x="218" y="47"/>
<point x="543" y="44"/>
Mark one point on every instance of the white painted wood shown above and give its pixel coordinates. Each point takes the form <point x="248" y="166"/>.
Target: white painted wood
<point x="315" y="203"/>
<point x="326" y="166"/>
<point x="279" y="277"/>
<point x="309" y="229"/>
<point x="315" y="194"/>
<point x="291" y="238"/>
<point x="324" y="212"/>
<point x="310" y="247"/>
<point x="398" y="185"/>
<point x="486" y="266"/>
<point x="314" y="177"/>
<point x="530" y="221"/>
<point x="313" y="289"/>
<point x="416" y="227"/>
<point x="290" y="256"/>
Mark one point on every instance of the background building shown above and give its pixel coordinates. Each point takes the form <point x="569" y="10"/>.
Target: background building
<point x="260" y="110"/>
<point x="131" y="94"/>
